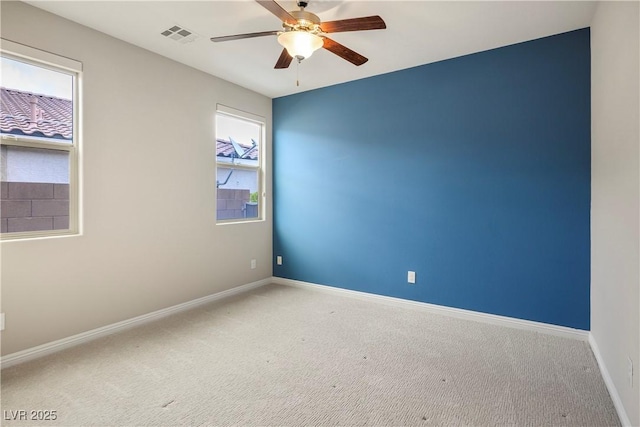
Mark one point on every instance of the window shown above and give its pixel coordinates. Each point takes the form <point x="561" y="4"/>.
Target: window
<point x="39" y="145"/>
<point x="239" y="182"/>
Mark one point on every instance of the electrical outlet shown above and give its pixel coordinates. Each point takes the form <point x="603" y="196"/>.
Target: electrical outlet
<point x="279" y="260"/>
<point x="630" y="371"/>
<point x="253" y="264"/>
<point x="411" y="277"/>
<point x="1" y="321"/>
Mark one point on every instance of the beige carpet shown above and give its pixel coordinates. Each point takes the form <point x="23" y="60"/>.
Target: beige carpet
<point x="288" y="356"/>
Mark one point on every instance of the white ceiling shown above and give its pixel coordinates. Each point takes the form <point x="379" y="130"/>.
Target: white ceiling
<point x="418" y="32"/>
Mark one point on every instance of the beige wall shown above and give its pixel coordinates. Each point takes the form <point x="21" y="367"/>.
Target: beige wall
<point x="615" y="195"/>
<point x="150" y="240"/>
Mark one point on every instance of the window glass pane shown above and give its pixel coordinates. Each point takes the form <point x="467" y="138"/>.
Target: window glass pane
<point x="238" y="199"/>
<point x="238" y="177"/>
<point x="36" y="101"/>
<point x="35" y="189"/>
<point x="238" y="139"/>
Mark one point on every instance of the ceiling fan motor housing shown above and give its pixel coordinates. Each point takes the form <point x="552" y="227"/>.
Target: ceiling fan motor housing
<point x="307" y="21"/>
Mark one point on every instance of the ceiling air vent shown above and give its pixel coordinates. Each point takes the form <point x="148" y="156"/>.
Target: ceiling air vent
<point x="180" y="34"/>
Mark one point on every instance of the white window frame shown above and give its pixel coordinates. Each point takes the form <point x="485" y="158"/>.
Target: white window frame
<point x="61" y="64"/>
<point x="243" y="165"/>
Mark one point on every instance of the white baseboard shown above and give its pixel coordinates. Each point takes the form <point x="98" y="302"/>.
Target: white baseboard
<point x="529" y="325"/>
<point x="55" y="346"/>
<point x="613" y="391"/>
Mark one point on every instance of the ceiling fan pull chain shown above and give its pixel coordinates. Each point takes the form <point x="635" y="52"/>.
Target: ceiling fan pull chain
<point x="298" y="73"/>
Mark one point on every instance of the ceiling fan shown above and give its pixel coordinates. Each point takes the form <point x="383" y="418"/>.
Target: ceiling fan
<point x="303" y="33"/>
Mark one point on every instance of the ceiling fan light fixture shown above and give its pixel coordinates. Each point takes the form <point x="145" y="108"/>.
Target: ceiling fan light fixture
<point x="300" y="44"/>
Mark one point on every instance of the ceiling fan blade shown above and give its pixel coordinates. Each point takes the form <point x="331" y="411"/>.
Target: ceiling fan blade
<point x="344" y="52"/>
<point x="243" y="36"/>
<point x="277" y="10"/>
<point x="284" y="61"/>
<point x="354" y="24"/>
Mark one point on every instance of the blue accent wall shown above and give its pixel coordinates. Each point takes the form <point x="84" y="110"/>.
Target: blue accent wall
<point x="473" y="172"/>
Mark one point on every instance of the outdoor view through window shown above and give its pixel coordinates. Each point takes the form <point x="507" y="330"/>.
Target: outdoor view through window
<point x="38" y="147"/>
<point x="238" y="180"/>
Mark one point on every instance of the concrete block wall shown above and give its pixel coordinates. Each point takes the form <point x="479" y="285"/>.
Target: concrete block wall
<point x="232" y="203"/>
<point x="33" y="206"/>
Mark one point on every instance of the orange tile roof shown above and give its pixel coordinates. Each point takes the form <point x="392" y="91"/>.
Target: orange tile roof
<point x="26" y="113"/>
<point x="224" y="148"/>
